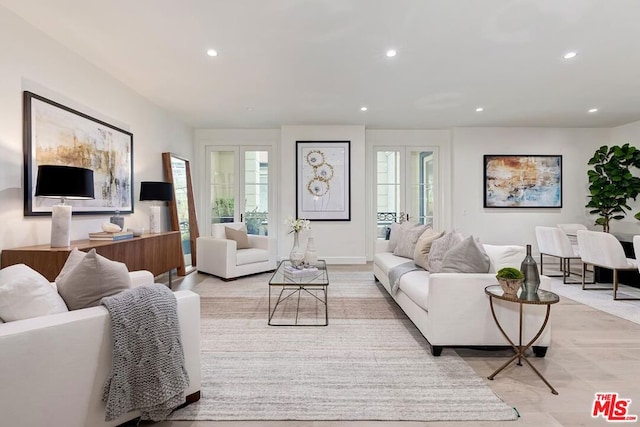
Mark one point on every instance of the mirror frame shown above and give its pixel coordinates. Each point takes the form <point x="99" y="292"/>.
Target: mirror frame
<point x="173" y="208"/>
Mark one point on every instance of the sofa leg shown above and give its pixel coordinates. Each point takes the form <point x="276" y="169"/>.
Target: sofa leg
<point x="436" y="350"/>
<point x="539" y="351"/>
<point x="193" y="397"/>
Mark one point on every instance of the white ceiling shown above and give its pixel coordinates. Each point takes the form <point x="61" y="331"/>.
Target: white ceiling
<point x="316" y="62"/>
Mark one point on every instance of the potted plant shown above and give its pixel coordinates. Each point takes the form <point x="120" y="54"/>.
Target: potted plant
<point x="510" y="279"/>
<point x="611" y="183"/>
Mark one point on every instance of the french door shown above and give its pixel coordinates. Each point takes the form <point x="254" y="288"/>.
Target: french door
<point x="406" y="183"/>
<point x="238" y="187"/>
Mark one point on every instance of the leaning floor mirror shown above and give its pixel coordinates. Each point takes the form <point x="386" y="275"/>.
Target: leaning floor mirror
<point x="182" y="209"/>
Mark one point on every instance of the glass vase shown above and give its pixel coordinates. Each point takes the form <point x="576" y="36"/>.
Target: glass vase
<point x="297" y="255"/>
<point x="310" y="255"/>
<point x="529" y="270"/>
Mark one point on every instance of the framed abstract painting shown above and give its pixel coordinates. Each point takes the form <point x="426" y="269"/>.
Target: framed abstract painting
<point x="522" y="181"/>
<point x="323" y="180"/>
<point x="58" y="135"/>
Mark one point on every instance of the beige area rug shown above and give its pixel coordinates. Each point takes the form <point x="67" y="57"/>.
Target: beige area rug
<point x="370" y="363"/>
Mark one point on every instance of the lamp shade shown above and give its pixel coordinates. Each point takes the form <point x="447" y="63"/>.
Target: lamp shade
<point x="156" y="191"/>
<point x="66" y="182"/>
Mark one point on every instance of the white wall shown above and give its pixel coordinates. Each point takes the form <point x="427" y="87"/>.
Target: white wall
<point x="339" y="242"/>
<point x="32" y="61"/>
<point x="516" y="226"/>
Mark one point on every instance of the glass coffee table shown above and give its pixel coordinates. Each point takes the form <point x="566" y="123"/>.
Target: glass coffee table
<point x="310" y="288"/>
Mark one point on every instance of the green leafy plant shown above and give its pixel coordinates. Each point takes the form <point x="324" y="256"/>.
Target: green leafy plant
<point x="223" y="208"/>
<point x="611" y="183"/>
<point x="509" y="273"/>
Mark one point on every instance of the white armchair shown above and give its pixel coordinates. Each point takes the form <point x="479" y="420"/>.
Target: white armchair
<point x="220" y="256"/>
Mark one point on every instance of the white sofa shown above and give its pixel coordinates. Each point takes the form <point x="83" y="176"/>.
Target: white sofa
<point x="452" y="309"/>
<point x="53" y="368"/>
<point x="221" y="257"/>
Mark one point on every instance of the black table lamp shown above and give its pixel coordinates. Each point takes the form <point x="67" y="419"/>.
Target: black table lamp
<point x="63" y="182"/>
<point x="155" y="191"/>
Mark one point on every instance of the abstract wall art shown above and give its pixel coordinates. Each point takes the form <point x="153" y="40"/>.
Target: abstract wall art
<point x="522" y="181"/>
<point x="323" y="180"/>
<point x="58" y="135"/>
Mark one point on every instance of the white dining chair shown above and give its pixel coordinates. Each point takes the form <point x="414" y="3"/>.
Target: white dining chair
<point x="553" y="242"/>
<point x="604" y="250"/>
<point x="571" y="230"/>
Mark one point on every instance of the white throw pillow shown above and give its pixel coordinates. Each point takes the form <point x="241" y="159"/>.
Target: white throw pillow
<point x="25" y="293"/>
<point x="92" y="279"/>
<point x="505" y="256"/>
<point x="394" y="236"/>
<point x="439" y="247"/>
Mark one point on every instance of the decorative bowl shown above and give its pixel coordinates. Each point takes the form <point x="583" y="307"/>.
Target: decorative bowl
<point x="510" y="286"/>
<point x="137" y="231"/>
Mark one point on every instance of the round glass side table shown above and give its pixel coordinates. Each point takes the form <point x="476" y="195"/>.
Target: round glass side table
<point x="541" y="297"/>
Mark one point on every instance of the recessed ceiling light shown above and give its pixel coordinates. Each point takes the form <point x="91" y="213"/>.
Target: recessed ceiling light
<point x="212" y="52"/>
<point x="479" y="110"/>
<point x="569" y="55"/>
<point x="363" y="108"/>
<point x="391" y="53"/>
<point x="593" y="110"/>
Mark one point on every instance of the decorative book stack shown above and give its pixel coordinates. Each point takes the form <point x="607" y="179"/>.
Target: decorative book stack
<point x="290" y="271"/>
<point x="103" y="235"/>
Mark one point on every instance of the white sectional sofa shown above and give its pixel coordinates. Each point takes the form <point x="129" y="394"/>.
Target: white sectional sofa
<point x="53" y="368"/>
<point x="452" y="309"/>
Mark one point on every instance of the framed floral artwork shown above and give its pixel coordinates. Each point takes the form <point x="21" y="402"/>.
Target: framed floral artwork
<point x="323" y="180"/>
<point x="522" y="181"/>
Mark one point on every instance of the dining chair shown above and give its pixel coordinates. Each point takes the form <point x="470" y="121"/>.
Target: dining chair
<point x="553" y="242"/>
<point x="571" y="231"/>
<point x="603" y="250"/>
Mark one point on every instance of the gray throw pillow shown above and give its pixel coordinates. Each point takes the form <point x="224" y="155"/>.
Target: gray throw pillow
<point x="467" y="256"/>
<point x="409" y="235"/>
<point x="92" y="279"/>
<point x="439" y="247"/>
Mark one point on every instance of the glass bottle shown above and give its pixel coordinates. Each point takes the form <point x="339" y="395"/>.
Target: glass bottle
<point x="529" y="270"/>
<point x="297" y="255"/>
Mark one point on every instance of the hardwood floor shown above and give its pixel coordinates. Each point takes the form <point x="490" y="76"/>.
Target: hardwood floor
<point x="591" y="352"/>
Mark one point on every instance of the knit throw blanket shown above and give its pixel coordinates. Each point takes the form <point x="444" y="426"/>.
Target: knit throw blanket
<point x="396" y="273"/>
<point x="147" y="372"/>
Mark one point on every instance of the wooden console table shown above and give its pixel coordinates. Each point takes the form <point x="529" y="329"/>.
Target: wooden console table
<point x="157" y="253"/>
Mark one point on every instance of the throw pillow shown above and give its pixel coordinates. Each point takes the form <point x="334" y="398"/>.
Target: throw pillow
<point x="240" y="237"/>
<point x="394" y="236"/>
<point x="92" y="279"/>
<point x="409" y="236"/>
<point x="75" y="256"/>
<point x="439" y="247"/>
<point x="25" y="293"/>
<point x="505" y="256"/>
<point x="467" y="256"/>
<point x="423" y="246"/>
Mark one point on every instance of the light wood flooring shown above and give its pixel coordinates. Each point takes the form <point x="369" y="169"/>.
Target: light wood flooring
<point x="591" y="352"/>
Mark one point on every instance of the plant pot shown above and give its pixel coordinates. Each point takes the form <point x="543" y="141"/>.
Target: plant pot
<point x="510" y="286"/>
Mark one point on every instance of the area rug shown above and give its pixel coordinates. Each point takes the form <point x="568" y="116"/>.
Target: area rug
<point x="369" y="363"/>
<point x="602" y="300"/>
